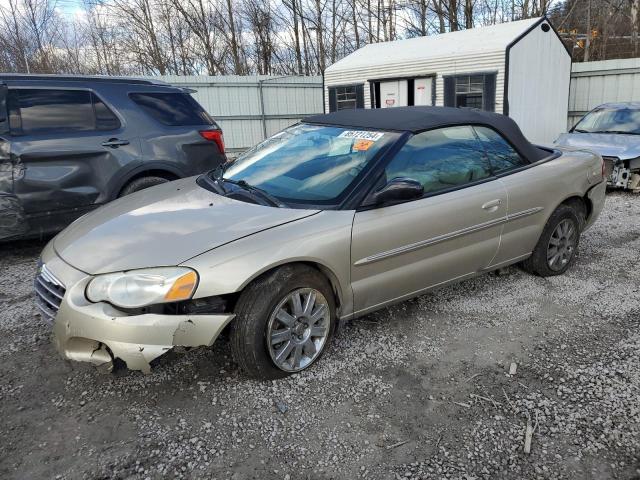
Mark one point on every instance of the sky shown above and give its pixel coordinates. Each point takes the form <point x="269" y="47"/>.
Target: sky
<point x="68" y="7"/>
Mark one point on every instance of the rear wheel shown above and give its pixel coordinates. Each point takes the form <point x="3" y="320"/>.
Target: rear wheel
<point x="141" y="183"/>
<point x="557" y="246"/>
<point x="284" y="322"/>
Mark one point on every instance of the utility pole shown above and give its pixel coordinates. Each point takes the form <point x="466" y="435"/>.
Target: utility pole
<point x="587" y="42"/>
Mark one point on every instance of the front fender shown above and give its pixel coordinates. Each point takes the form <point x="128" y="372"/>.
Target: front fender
<point x="323" y="239"/>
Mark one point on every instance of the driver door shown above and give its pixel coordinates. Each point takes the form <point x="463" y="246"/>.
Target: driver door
<point x="453" y="231"/>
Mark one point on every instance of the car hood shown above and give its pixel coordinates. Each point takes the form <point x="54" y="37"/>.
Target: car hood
<point x="163" y="225"/>
<point x="606" y="144"/>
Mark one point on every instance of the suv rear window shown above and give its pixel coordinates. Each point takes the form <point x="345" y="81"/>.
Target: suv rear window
<point x="49" y="110"/>
<point x="174" y="109"/>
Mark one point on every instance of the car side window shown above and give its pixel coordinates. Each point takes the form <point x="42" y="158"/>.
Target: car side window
<point x="33" y="111"/>
<point x="441" y="159"/>
<point x="501" y="154"/>
<point x="54" y="110"/>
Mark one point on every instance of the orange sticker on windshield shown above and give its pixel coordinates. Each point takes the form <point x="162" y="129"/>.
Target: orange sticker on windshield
<point x="362" y="145"/>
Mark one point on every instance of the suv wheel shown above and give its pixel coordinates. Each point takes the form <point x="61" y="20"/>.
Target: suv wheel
<point x="141" y="184"/>
<point x="557" y="246"/>
<point x="284" y="322"/>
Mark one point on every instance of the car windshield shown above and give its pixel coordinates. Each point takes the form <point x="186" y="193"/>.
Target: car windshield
<point x="309" y="164"/>
<point x="610" y="120"/>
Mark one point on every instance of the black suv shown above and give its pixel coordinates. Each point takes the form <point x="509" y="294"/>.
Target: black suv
<point x="70" y="144"/>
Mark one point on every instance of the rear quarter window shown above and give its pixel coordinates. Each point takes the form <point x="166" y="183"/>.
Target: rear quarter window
<point x="501" y="154"/>
<point x="173" y="109"/>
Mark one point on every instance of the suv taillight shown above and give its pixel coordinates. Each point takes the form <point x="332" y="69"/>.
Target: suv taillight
<point x="214" y="136"/>
<point x="604" y="169"/>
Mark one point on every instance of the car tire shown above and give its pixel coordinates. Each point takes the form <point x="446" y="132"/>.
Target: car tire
<point x="257" y="324"/>
<point x="140" y="184"/>
<point x="557" y="247"/>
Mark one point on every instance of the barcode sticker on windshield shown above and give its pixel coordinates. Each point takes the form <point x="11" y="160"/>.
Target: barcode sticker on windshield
<point x="361" y="134"/>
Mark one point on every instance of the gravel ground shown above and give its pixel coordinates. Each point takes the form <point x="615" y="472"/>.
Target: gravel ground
<point x="419" y="390"/>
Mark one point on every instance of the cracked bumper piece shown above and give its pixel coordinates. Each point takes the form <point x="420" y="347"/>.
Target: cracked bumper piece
<point x="82" y="334"/>
<point x="97" y="332"/>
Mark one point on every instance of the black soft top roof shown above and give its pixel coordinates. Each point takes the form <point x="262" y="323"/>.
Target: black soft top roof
<point x="417" y="119"/>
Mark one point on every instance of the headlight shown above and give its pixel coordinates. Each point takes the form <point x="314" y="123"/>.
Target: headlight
<point x="138" y="288"/>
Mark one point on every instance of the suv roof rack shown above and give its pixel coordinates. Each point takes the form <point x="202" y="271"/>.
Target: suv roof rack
<point x="81" y="78"/>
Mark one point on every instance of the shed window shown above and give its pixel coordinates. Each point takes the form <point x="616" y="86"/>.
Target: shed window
<point x="469" y="91"/>
<point x="473" y="91"/>
<point x="346" y="97"/>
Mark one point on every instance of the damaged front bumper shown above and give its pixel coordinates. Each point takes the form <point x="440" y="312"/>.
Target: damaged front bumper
<point x="623" y="173"/>
<point x="98" y="333"/>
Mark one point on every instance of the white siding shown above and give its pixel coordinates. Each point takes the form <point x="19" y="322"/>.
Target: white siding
<point x="476" y="63"/>
<point x="595" y="83"/>
<point x="539" y="69"/>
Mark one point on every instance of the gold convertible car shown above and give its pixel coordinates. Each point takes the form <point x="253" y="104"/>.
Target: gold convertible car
<point x="328" y="220"/>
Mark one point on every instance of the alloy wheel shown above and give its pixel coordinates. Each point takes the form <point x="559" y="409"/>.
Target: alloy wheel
<point x="562" y="245"/>
<point x="298" y="329"/>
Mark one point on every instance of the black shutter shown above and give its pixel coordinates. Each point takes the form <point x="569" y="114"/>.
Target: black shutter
<point x="333" y="102"/>
<point x="360" y="96"/>
<point x="449" y="91"/>
<point x="4" y="109"/>
<point x="489" y="95"/>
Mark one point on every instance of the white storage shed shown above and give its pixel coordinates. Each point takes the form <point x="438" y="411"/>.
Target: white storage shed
<point x="521" y="69"/>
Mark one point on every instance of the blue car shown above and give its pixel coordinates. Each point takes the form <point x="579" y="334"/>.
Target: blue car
<point x="613" y="131"/>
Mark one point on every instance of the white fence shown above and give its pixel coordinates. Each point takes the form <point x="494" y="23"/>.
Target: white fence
<point x="251" y="108"/>
<point x="594" y="83"/>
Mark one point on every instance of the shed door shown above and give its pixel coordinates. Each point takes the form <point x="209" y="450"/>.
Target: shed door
<point x="393" y="93"/>
<point x="422" y="91"/>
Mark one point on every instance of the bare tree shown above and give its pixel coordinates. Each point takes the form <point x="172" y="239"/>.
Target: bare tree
<point x="279" y="37"/>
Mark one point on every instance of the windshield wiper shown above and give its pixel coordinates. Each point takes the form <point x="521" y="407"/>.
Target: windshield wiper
<point x="218" y="172"/>
<point x="255" y="190"/>
<point x="580" y="130"/>
<point x="617" y="131"/>
<point x="215" y="177"/>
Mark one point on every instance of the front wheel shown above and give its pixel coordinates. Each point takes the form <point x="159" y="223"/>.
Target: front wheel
<point x="284" y="322"/>
<point x="557" y="246"/>
<point x="140" y="184"/>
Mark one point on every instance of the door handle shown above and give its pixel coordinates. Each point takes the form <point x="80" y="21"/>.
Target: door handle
<point x="115" y="143"/>
<point x="492" y="205"/>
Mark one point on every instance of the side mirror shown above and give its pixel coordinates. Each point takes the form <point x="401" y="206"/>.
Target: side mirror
<point x="4" y="111"/>
<point x="399" y="189"/>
